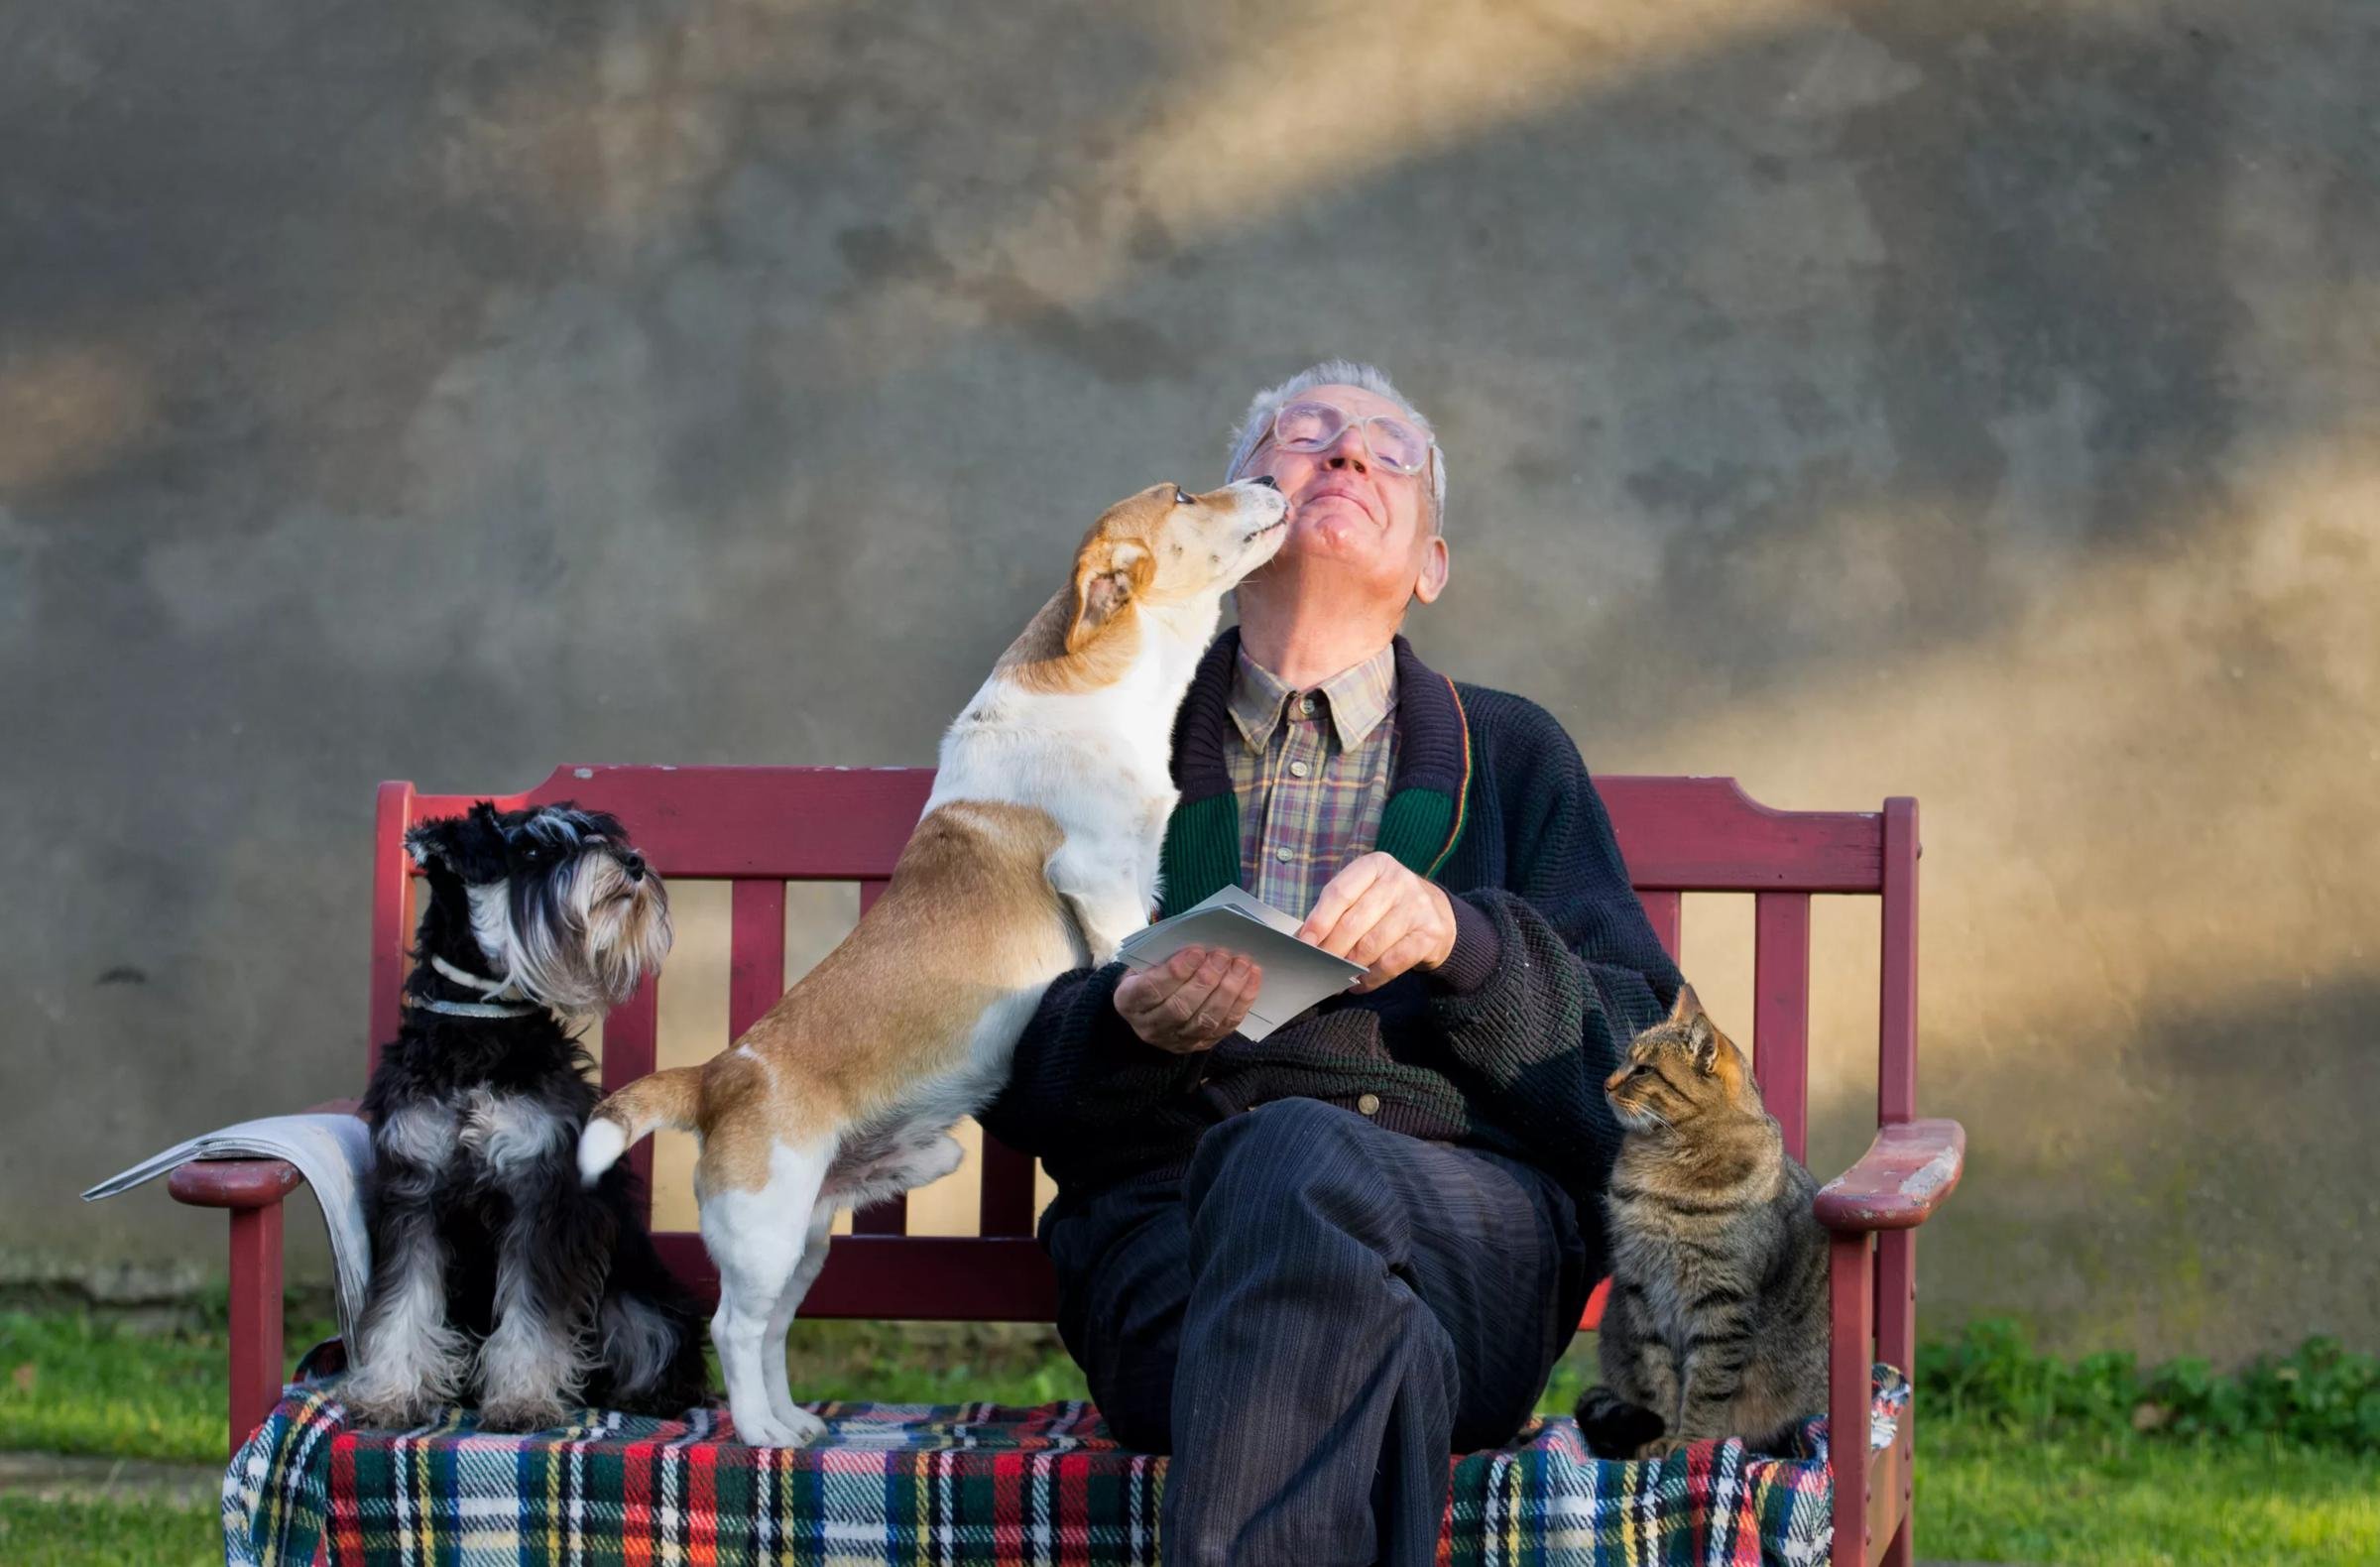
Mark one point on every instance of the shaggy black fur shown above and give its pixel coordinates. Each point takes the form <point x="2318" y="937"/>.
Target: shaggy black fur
<point x="476" y="1123"/>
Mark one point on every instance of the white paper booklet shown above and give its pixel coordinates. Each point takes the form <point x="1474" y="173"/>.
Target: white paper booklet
<point x="334" y="1155"/>
<point x="1297" y="974"/>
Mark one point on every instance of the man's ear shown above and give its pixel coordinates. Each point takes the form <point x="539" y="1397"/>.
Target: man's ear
<point x="1107" y="576"/>
<point x="1432" y="580"/>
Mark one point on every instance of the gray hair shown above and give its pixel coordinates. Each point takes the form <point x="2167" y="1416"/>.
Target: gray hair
<point x="1257" y="423"/>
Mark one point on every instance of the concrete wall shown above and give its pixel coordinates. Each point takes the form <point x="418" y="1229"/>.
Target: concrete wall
<point x="1981" y="402"/>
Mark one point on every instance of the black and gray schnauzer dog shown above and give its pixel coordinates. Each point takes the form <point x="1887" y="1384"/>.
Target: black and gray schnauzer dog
<point x="493" y="1268"/>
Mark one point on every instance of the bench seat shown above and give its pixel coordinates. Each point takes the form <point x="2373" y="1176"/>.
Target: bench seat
<point x="956" y="1486"/>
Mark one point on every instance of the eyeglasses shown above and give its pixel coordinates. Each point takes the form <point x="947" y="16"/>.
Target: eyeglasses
<point x="1389" y="441"/>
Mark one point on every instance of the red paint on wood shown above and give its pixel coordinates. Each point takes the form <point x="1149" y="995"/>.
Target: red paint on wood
<point x="1896" y="1299"/>
<point x="1896" y="1346"/>
<point x="233" y="1183"/>
<point x="1666" y="911"/>
<point x="1703" y="834"/>
<point x="1592" y="1317"/>
<point x="1849" y="1395"/>
<point x="627" y="1054"/>
<point x="819" y="824"/>
<point x="1896" y="1064"/>
<point x="1888" y="1494"/>
<point x="1006" y="1206"/>
<point x="755" y="954"/>
<point x="1706" y="835"/>
<point x="890" y="1217"/>
<point x="1899" y="1181"/>
<point x="917" y="1279"/>
<point x="392" y="911"/>
<point x="1781" y="1011"/>
<point x="256" y="1364"/>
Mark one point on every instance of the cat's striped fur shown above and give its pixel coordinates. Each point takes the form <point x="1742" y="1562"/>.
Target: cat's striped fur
<point x="1716" y="1321"/>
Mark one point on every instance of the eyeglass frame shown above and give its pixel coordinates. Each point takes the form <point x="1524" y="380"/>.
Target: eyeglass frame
<point x="1363" y="423"/>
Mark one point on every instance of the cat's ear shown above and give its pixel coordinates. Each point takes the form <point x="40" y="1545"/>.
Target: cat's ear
<point x="1703" y="1039"/>
<point x="1688" y="1006"/>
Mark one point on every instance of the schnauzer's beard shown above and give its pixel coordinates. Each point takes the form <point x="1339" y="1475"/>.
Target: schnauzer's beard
<point x="578" y="939"/>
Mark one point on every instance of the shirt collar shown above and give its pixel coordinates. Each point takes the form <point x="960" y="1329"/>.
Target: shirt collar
<point x="1357" y="698"/>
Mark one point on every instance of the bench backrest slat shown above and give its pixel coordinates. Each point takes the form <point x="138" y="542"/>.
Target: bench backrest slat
<point x="1781" y="1011"/>
<point x="758" y="828"/>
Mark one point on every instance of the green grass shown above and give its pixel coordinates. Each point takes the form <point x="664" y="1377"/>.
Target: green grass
<point x="1987" y="1489"/>
<point x="1986" y="1493"/>
<point x="69" y="1384"/>
<point x="106" y="1534"/>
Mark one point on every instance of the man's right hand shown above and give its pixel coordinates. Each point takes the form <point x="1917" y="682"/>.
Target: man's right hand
<point x="1191" y="1000"/>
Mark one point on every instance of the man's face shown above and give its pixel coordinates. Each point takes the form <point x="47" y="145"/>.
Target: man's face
<point x="1349" y="512"/>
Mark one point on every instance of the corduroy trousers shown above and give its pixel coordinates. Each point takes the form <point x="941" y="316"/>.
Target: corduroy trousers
<point x="1310" y="1320"/>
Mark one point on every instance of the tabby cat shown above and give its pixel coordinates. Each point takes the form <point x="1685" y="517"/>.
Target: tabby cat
<point x="1716" y="1321"/>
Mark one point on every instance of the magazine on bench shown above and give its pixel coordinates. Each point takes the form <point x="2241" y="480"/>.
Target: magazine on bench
<point x="334" y="1155"/>
<point x="1297" y="974"/>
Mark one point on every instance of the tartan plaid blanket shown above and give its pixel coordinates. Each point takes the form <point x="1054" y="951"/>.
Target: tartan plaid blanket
<point x="951" y="1485"/>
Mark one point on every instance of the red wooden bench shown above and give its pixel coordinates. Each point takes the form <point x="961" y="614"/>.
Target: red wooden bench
<point x="758" y="828"/>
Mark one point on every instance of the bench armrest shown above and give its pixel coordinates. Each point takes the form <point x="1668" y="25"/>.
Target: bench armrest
<point x="244" y="1183"/>
<point x="1899" y="1181"/>
<point x="253" y="1189"/>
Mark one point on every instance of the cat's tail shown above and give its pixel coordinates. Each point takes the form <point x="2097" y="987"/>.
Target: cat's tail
<point x="671" y="1098"/>
<point x="1614" y="1428"/>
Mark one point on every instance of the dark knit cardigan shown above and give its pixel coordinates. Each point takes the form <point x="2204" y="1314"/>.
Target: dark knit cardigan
<point x="1504" y="1046"/>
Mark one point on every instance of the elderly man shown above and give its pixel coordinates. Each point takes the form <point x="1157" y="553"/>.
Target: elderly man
<point x="1313" y="1265"/>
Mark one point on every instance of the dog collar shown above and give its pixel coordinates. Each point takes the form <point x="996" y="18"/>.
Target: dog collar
<point x="478" y="982"/>
<point x="469" y="1009"/>
<point x="491" y="989"/>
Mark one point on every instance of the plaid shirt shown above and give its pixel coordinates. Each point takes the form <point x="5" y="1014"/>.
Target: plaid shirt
<point x="1313" y="776"/>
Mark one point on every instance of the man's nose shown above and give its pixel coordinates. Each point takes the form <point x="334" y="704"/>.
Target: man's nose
<point x="1347" y="450"/>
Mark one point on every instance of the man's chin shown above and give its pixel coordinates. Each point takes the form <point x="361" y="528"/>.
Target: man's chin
<point x="1329" y="509"/>
<point x="1330" y="530"/>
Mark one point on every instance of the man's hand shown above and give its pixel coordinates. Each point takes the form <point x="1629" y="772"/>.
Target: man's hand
<point x="1381" y="914"/>
<point x="1191" y="1000"/>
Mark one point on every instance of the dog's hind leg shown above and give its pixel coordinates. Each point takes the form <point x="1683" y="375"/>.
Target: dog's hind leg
<point x="781" y="1322"/>
<point x="755" y="1236"/>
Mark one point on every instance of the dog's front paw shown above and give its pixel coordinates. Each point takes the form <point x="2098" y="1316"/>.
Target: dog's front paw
<point x="383" y="1408"/>
<point x="522" y="1414"/>
<point x="793" y="1428"/>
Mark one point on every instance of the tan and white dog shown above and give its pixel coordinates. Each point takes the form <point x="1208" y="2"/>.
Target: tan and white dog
<point x="1037" y="853"/>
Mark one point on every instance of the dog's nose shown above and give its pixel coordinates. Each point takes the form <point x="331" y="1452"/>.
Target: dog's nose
<point x="634" y="864"/>
<point x="1268" y="481"/>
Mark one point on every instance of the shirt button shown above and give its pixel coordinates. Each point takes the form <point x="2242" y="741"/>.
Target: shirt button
<point x="1297" y="770"/>
<point x="1305" y="705"/>
<point x="1281" y="855"/>
<point x="1370" y="1104"/>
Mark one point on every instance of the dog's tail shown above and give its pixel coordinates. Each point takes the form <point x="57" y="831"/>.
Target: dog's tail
<point x="665" y="1099"/>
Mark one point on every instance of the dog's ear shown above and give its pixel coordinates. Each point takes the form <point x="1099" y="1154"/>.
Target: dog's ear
<point x="1108" y="574"/>
<point x="431" y="843"/>
<point x="456" y="843"/>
